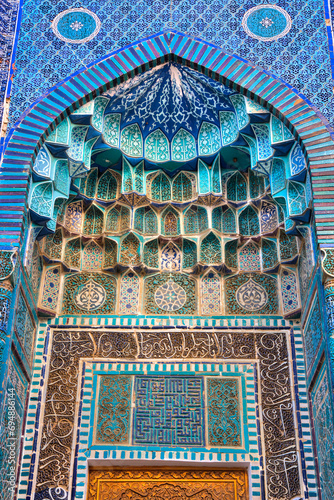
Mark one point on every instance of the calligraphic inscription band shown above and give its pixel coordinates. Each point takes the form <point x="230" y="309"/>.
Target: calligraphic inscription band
<point x="268" y="348"/>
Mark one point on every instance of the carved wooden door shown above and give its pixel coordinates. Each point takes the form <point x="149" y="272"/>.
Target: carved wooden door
<point x="169" y="484"/>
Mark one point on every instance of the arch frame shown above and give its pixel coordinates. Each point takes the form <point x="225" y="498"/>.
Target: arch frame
<point x="308" y="126"/>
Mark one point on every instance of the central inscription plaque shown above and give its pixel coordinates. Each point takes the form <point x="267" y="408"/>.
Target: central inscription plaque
<point x="169" y="410"/>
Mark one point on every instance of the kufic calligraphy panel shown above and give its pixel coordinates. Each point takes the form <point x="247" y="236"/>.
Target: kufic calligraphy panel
<point x="169" y="410"/>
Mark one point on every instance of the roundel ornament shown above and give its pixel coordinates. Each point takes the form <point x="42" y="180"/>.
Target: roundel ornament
<point x="90" y="296"/>
<point x="76" y="25"/>
<point x="251" y="296"/>
<point x="266" y="22"/>
<point x="170" y="296"/>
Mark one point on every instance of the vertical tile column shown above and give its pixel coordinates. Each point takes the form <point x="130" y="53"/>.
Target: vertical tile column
<point x="329" y="301"/>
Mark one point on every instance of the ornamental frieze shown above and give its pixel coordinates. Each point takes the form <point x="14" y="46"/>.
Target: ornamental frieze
<point x="269" y="350"/>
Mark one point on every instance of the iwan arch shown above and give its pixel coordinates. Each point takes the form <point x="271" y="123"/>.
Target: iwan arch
<point x="174" y="253"/>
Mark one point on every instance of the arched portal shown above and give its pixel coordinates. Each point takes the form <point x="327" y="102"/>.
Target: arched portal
<point x="171" y="220"/>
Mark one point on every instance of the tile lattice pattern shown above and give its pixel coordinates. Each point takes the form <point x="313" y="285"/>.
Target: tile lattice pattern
<point x="301" y="57"/>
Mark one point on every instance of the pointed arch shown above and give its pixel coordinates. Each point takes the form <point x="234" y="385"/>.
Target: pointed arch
<point x="90" y="183"/>
<point x="209" y="141"/>
<point x="118" y="219"/>
<point x="236" y="188"/>
<point x="92" y="256"/>
<point x="287" y="246"/>
<point x="146" y="221"/>
<point x="256" y="184"/>
<point x="74" y="217"/>
<point x="249" y="222"/>
<point x="269" y="254"/>
<point x="204" y="183"/>
<point x="268" y="217"/>
<point x="183" y="146"/>
<point x="127" y="180"/>
<point x="170" y="258"/>
<point x="157" y="147"/>
<point x="107" y="187"/>
<point x="182" y="187"/>
<point x="62" y="178"/>
<point x="229" y="225"/>
<point x="93" y="221"/>
<point x="289" y="290"/>
<point x="151" y="254"/>
<point x="130" y="250"/>
<point x="249" y="257"/>
<point x="53" y="245"/>
<point x="297" y="198"/>
<point x="42" y="199"/>
<point x="109" y="254"/>
<point x="132" y="141"/>
<point x="195" y="220"/>
<point x="170" y="222"/>
<point x="211" y="251"/>
<point x="72" y="255"/>
<point x="294" y="112"/>
<point x="160" y="188"/>
<point x="278" y="176"/>
<point x="189" y="254"/>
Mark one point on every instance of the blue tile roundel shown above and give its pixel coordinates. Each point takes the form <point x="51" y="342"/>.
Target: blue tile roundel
<point x="76" y="25"/>
<point x="266" y="22"/>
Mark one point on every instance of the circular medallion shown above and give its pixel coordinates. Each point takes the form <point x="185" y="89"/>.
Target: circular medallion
<point x="90" y="296"/>
<point x="170" y="296"/>
<point x="251" y="296"/>
<point x="76" y="25"/>
<point x="266" y="22"/>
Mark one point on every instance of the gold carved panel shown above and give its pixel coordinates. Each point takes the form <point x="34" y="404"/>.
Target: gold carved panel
<point x="169" y="484"/>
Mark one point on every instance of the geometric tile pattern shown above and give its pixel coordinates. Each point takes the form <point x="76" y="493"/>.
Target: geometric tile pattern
<point x="8" y="15"/>
<point x="122" y="345"/>
<point x="300" y="58"/>
<point x="324" y="430"/>
<point x="169" y="411"/>
<point x="313" y="333"/>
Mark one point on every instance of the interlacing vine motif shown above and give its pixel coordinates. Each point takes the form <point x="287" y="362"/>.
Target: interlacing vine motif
<point x="87" y="292"/>
<point x="224" y="425"/>
<point x="114" y="406"/>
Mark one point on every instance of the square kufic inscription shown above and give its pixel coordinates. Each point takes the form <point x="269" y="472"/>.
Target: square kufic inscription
<point x="169" y="410"/>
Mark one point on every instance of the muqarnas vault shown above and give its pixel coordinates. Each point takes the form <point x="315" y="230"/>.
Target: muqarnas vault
<point x="166" y="317"/>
